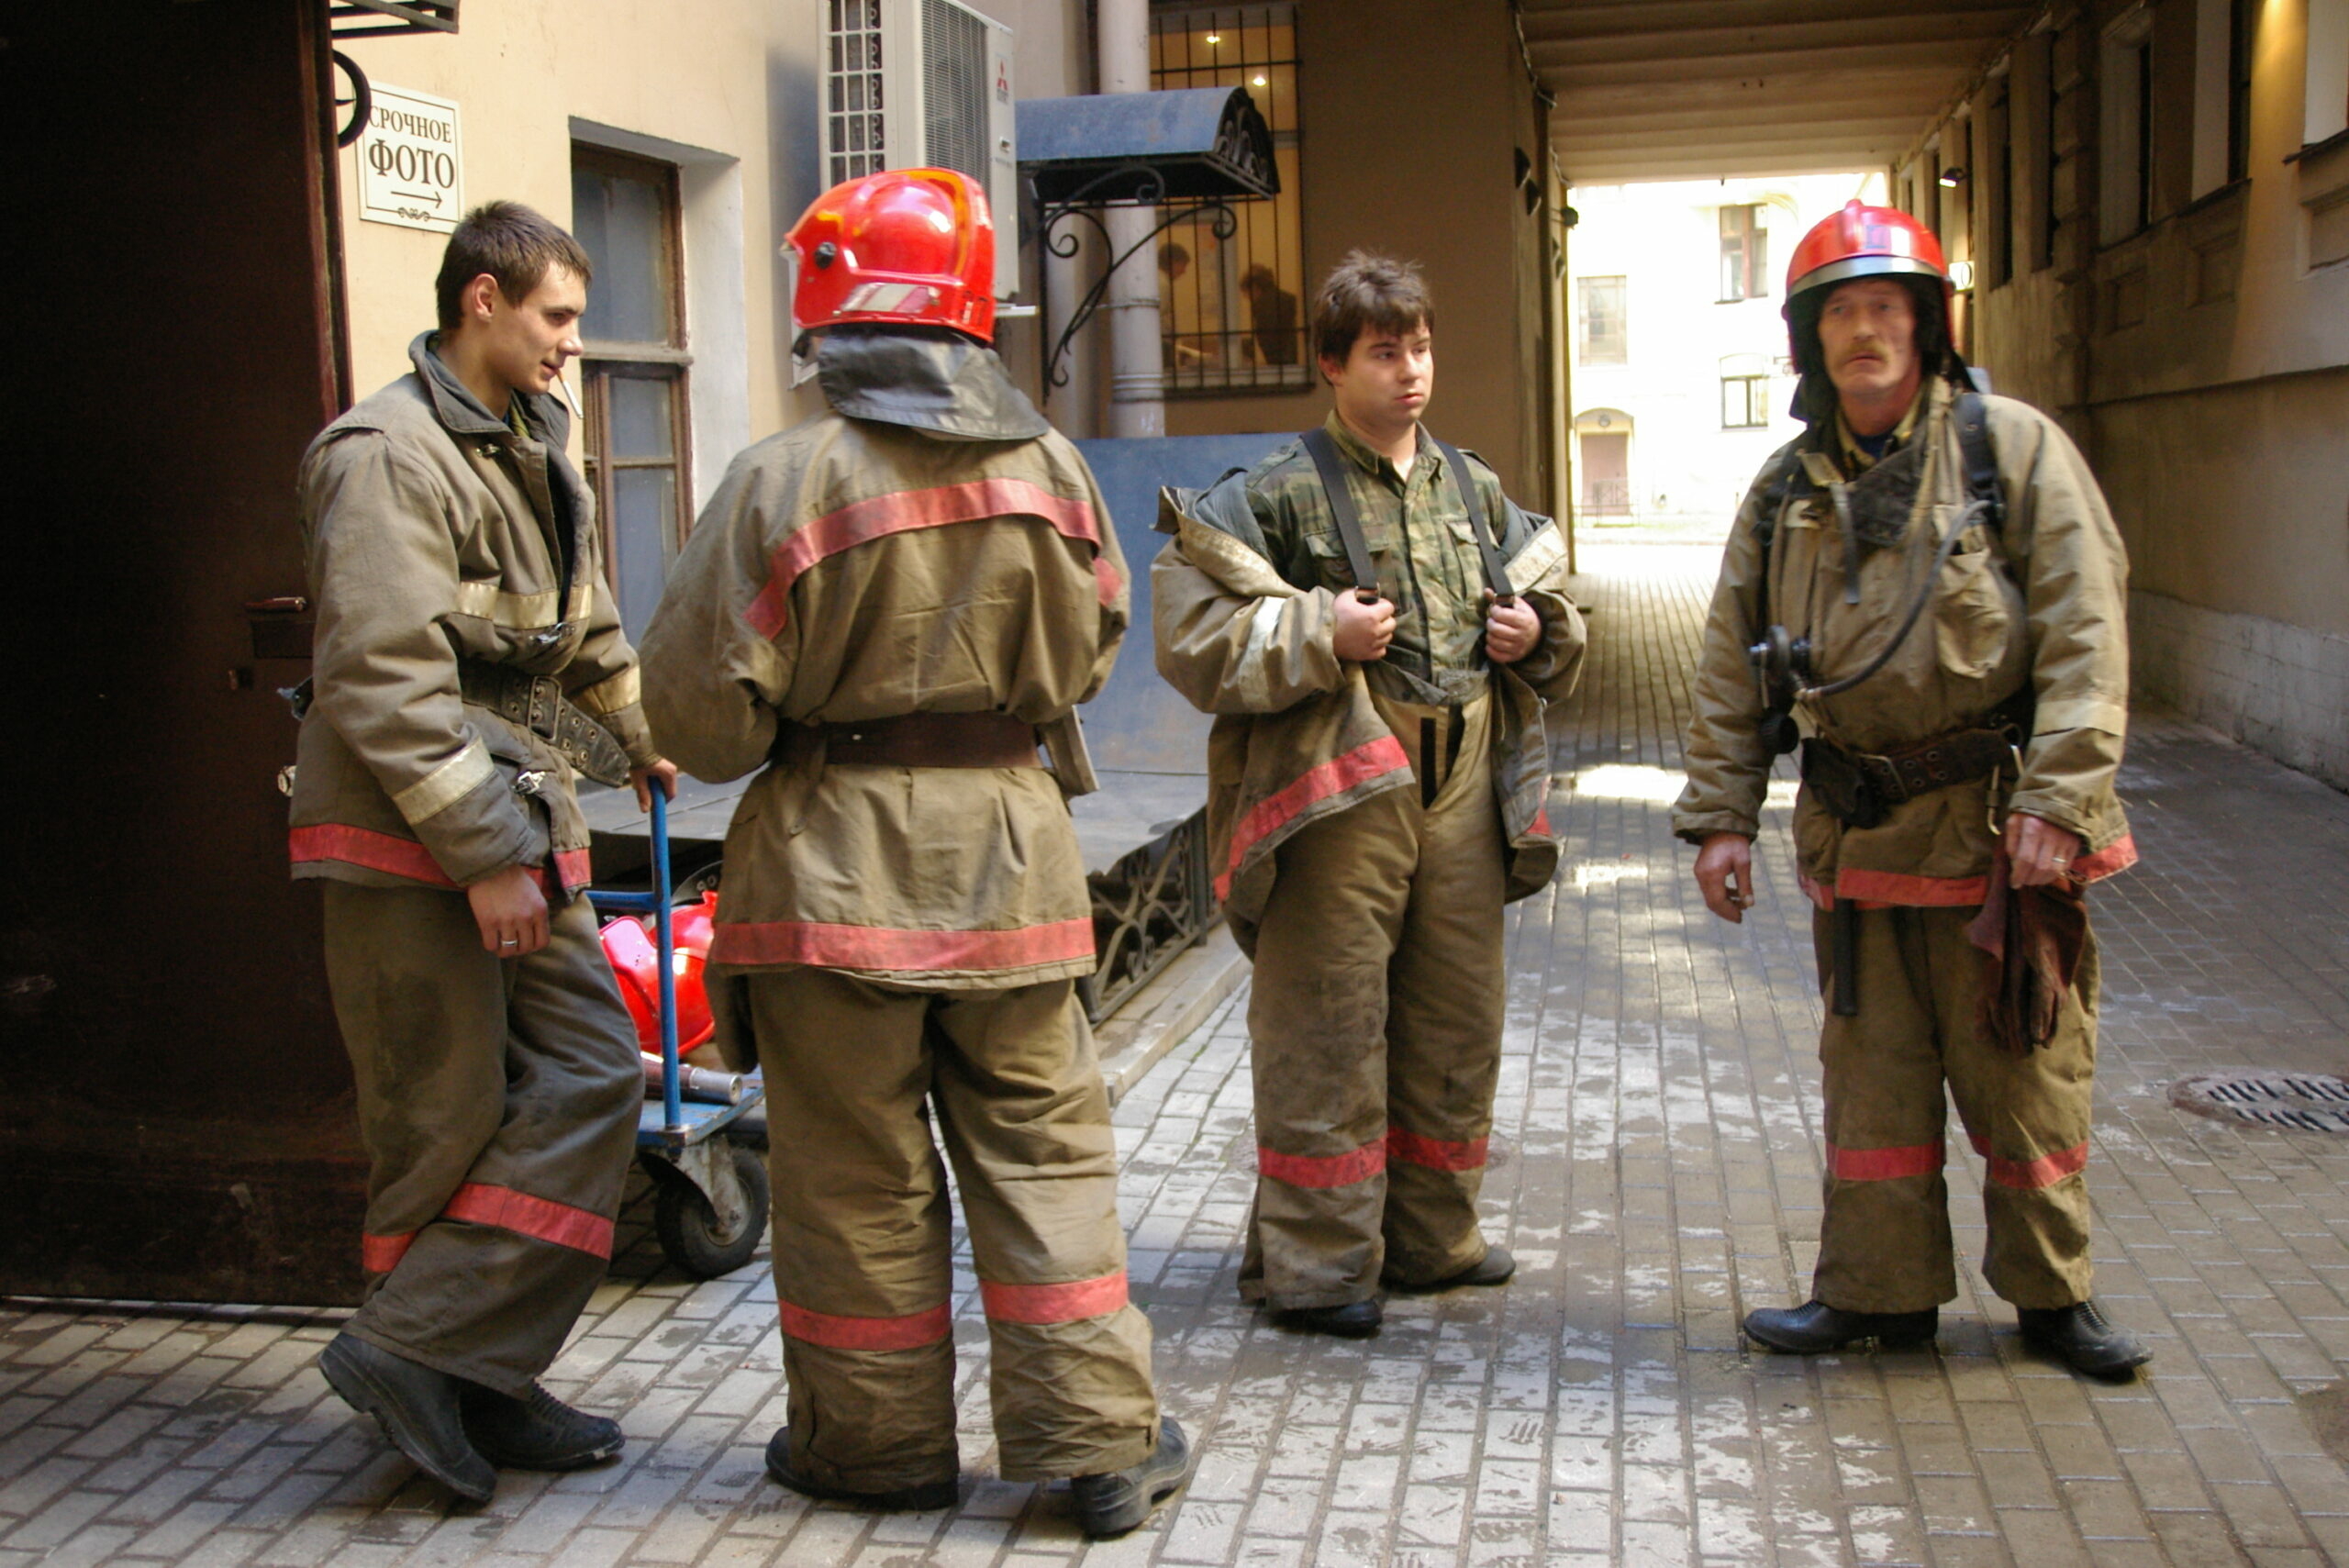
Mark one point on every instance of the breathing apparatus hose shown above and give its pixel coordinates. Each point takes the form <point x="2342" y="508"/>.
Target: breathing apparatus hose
<point x="1957" y="527"/>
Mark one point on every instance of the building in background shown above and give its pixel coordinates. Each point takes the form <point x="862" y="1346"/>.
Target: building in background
<point x="2154" y="198"/>
<point x="1680" y="374"/>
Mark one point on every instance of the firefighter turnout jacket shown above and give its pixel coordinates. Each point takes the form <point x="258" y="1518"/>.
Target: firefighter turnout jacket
<point x="437" y="534"/>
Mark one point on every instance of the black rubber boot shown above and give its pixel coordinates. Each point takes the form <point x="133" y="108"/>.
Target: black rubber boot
<point x="1495" y="1267"/>
<point x="1115" y="1503"/>
<point x="922" y="1498"/>
<point x="1354" y="1320"/>
<point x="2082" y="1339"/>
<point x="1808" y="1329"/>
<point x="418" y="1408"/>
<point x="537" y="1432"/>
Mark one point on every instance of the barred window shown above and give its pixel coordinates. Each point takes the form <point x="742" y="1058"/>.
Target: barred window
<point x="852" y="91"/>
<point x="1233" y="310"/>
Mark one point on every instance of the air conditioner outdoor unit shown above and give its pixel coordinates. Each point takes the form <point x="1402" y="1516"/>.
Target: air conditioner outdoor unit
<point x="924" y="85"/>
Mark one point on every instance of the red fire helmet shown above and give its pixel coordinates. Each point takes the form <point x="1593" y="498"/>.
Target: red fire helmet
<point x="1864" y="241"/>
<point x="910" y="246"/>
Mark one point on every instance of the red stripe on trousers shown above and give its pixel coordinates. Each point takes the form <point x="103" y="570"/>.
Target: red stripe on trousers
<point x="861" y="522"/>
<point x="382" y="1254"/>
<point x="1885" y="1164"/>
<point x="1047" y="1304"/>
<point x="2043" y="1171"/>
<point x="540" y="1218"/>
<point x="880" y="947"/>
<point x="908" y="1333"/>
<point x="1323" y="1170"/>
<point x="1435" y="1153"/>
<point x="1359" y="766"/>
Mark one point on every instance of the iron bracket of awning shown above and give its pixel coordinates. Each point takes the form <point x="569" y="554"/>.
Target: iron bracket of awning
<point x="375" y="18"/>
<point x="1147" y="188"/>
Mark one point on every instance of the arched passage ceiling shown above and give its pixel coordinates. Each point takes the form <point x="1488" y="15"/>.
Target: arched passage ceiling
<point x="1685" y="89"/>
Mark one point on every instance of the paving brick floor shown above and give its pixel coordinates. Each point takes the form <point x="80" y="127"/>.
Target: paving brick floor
<point x="1656" y="1168"/>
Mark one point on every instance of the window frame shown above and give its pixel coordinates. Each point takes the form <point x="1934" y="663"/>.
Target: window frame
<point x="1237" y="363"/>
<point x="1585" y="338"/>
<point x="1751" y="249"/>
<point x="1754" y="391"/>
<point x="670" y="360"/>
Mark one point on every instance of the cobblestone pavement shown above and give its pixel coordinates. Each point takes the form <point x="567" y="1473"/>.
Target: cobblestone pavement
<point x="1656" y="1169"/>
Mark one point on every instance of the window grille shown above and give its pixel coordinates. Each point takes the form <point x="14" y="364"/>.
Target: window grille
<point x="1232" y="311"/>
<point x="852" y="90"/>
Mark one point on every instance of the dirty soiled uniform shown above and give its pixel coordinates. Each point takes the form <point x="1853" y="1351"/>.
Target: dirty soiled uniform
<point x="1367" y="822"/>
<point x="453" y="557"/>
<point x="899" y="932"/>
<point x="2029" y="612"/>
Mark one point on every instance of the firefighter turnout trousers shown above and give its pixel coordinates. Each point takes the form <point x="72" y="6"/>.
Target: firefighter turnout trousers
<point x="860" y="1072"/>
<point x="1375" y="1020"/>
<point x="1884" y="1244"/>
<point x="498" y="1102"/>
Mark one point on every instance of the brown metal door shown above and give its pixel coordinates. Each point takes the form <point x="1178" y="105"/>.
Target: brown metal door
<point x="174" y="1107"/>
<point x="1606" y="474"/>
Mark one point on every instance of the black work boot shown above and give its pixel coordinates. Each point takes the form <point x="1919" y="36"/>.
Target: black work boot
<point x="1354" y="1320"/>
<point x="538" y="1431"/>
<point x="1495" y="1267"/>
<point x="916" y="1499"/>
<point x="2082" y="1339"/>
<point x="418" y="1407"/>
<point x="1813" y="1327"/>
<point x="1115" y="1503"/>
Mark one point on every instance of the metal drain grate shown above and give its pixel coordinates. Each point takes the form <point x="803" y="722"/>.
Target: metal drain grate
<point x="2296" y="1102"/>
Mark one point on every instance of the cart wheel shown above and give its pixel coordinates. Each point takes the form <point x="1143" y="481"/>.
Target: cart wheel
<point x="688" y="1225"/>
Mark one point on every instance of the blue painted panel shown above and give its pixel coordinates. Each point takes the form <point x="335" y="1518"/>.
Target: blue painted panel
<point x="1138" y="723"/>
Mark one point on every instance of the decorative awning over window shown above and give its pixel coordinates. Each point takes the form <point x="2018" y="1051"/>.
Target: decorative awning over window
<point x="364" y="18"/>
<point x="1196" y="144"/>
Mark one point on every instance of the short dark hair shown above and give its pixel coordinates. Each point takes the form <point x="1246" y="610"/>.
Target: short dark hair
<point x="515" y="245"/>
<point x="1363" y="292"/>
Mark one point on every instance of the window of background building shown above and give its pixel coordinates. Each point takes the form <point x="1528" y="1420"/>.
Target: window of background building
<point x="2243" y="26"/>
<point x="1605" y="330"/>
<point x="2126" y="92"/>
<point x="852" y="90"/>
<point x="624" y="211"/>
<point x="1745" y="254"/>
<point x="1745" y="401"/>
<point x="1233" y="310"/>
<point x="2000" y="237"/>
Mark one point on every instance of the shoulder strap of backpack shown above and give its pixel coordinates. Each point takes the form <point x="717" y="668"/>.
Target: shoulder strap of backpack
<point x="1487" y="550"/>
<point x="1980" y="458"/>
<point x="1331" y="466"/>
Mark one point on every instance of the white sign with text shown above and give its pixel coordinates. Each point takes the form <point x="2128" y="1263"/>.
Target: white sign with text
<point x="411" y="170"/>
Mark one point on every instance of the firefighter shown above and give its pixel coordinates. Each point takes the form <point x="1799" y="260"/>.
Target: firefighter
<point x="1380" y="632"/>
<point x="468" y="663"/>
<point x="1925" y="591"/>
<point x="889" y="608"/>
